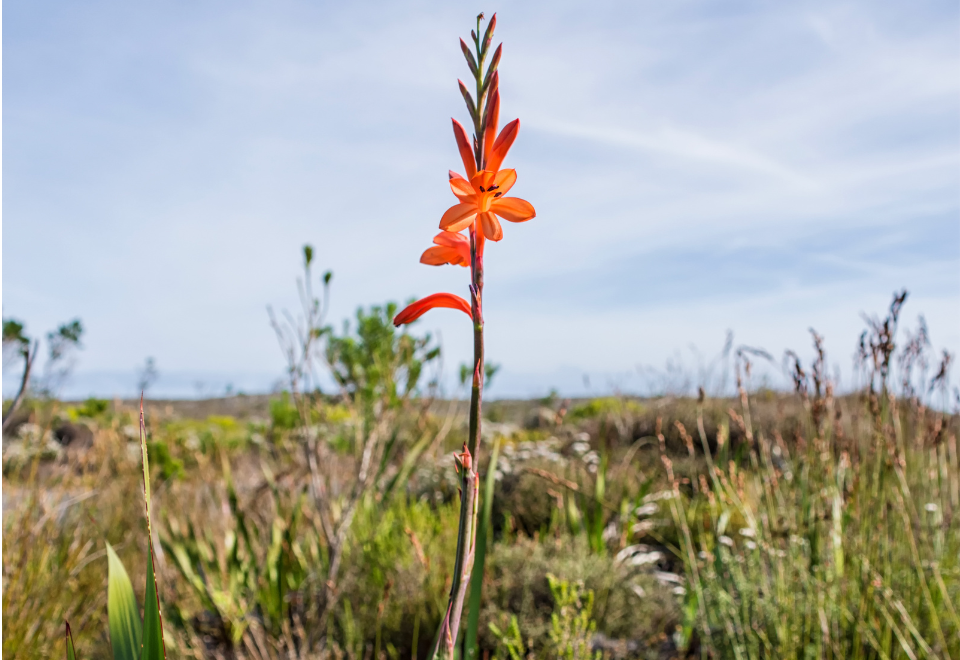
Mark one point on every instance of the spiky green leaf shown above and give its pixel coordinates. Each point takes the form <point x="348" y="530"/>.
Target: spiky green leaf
<point x="71" y="652"/>
<point x="122" y="611"/>
<point x="152" y="628"/>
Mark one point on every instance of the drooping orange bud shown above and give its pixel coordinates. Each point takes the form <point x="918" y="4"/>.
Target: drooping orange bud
<point x="415" y="310"/>
<point x="463" y="144"/>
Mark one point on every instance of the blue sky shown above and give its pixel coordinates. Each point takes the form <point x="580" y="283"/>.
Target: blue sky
<point x="762" y="167"/>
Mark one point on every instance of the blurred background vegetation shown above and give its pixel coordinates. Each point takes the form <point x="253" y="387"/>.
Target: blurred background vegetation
<point x="322" y="523"/>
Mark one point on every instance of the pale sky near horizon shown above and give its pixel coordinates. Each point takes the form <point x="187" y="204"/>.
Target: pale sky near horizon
<point x="696" y="166"/>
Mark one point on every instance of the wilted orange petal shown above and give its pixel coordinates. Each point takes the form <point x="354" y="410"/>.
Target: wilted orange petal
<point x="513" y="209"/>
<point x="458" y="217"/>
<point x="491" y="226"/>
<point x="458" y="246"/>
<point x="452" y="239"/>
<point x="436" y="256"/>
<point x="493" y="116"/>
<point x="505" y="180"/>
<point x="416" y="310"/>
<point x="440" y="255"/>
<point x="463" y="144"/>
<point x="502" y="145"/>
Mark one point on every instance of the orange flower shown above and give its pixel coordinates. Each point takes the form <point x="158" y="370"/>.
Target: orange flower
<point x="483" y="196"/>
<point x="452" y="248"/>
<point x="415" y="310"/>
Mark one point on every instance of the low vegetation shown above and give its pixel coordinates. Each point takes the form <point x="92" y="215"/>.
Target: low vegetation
<point x="788" y="525"/>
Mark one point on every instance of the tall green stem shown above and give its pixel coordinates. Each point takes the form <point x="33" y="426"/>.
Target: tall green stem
<point x="469" y="460"/>
<point x="476" y="398"/>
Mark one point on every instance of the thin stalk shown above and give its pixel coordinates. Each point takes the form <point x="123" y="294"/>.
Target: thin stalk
<point x="443" y="645"/>
<point x="446" y="638"/>
<point x="28" y="358"/>
<point x="484" y="532"/>
<point x="902" y="499"/>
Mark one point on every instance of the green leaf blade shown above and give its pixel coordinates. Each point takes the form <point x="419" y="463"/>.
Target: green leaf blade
<point x="71" y="652"/>
<point x="122" y="612"/>
<point x="152" y="627"/>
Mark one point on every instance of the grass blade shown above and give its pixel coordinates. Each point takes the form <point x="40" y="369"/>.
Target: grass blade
<point x="122" y="611"/>
<point x="153" y="648"/>
<point x="71" y="652"/>
<point x="152" y="628"/>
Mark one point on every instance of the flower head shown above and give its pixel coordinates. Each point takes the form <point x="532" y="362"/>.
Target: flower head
<point x="483" y="196"/>
<point x="482" y="200"/>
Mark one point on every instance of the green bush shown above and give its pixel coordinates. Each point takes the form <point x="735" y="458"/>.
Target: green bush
<point x="516" y="584"/>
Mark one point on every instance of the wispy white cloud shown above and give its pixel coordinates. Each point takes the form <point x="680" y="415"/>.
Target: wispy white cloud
<point x="684" y="144"/>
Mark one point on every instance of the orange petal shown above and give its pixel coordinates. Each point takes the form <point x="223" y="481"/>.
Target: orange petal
<point x="483" y="179"/>
<point x="458" y="217"/>
<point x="481" y="241"/>
<point x="494" y="79"/>
<point x="438" y="256"/>
<point x="458" y="244"/>
<point x="462" y="189"/>
<point x="504" y="181"/>
<point x="502" y="145"/>
<point x="463" y="144"/>
<point x="452" y="239"/>
<point x="513" y="209"/>
<point x="492" y="117"/>
<point x="414" y="311"/>
<point x="491" y="226"/>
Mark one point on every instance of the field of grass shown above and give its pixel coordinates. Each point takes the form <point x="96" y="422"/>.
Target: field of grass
<point x="800" y="525"/>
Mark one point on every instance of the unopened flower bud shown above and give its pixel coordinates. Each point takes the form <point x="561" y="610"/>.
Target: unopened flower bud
<point x="471" y="62"/>
<point x="488" y="35"/>
<point x="466" y="459"/>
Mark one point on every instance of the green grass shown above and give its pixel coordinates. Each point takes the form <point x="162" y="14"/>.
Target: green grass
<point x="847" y="557"/>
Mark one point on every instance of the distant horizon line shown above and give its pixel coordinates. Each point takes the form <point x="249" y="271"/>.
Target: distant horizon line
<point x="561" y="383"/>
